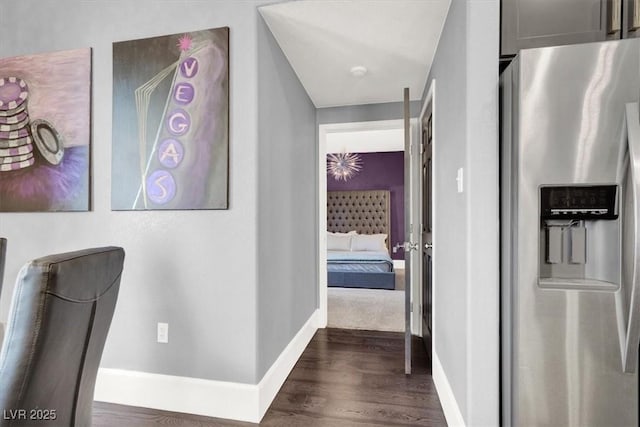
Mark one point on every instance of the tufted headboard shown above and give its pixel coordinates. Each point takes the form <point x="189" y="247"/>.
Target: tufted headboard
<point x="366" y="211"/>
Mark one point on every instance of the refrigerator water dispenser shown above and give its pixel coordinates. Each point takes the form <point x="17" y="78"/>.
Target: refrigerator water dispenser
<point x="579" y="237"/>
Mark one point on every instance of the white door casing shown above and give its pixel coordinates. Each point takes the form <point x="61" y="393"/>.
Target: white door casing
<point x="323" y="131"/>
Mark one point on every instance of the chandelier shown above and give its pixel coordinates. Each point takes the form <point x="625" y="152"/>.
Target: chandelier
<point x="343" y="166"/>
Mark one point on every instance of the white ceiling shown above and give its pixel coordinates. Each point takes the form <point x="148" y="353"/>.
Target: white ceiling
<point x="323" y="39"/>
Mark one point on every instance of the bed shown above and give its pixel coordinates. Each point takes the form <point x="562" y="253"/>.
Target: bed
<point x="358" y="236"/>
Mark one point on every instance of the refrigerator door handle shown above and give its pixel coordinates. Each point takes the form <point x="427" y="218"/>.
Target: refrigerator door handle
<point x="631" y="339"/>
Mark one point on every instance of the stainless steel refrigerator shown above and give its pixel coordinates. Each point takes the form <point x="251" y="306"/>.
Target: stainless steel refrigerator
<point x="570" y="257"/>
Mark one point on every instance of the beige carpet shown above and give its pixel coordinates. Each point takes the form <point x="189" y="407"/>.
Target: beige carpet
<point x="371" y="309"/>
<point x="399" y="279"/>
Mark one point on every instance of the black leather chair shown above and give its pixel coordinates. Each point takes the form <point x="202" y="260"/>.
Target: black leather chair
<point x="3" y="255"/>
<point x="58" y="322"/>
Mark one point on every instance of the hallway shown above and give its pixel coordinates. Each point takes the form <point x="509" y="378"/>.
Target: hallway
<point x="343" y="378"/>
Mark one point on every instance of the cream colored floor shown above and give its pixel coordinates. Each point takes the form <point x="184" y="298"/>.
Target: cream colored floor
<point x="370" y="309"/>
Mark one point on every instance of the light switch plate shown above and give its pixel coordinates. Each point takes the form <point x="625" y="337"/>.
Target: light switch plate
<point x="163" y="333"/>
<point x="460" y="180"/>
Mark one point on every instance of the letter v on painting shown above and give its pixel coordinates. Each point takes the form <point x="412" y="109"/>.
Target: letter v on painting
<point x="171" y="122"/>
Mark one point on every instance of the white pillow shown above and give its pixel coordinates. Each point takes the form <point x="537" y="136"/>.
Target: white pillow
<point x="369" y="242"/>
<point x="352" y="232"/>
<point x="339" y="242"/>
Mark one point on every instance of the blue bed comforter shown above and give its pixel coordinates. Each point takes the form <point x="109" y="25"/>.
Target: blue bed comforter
<point x="359" y="261"/>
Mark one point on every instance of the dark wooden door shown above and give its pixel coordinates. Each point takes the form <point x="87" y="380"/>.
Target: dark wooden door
<point x="408" y="203"/>
<point x="427" y="249"/>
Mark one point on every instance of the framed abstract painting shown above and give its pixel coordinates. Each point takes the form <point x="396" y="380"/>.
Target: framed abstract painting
<point x="170" y="147"/>
<point x="45" y="136"/>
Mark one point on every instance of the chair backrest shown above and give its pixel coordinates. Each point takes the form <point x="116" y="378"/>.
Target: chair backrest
<point x="60" y="315"/>
<point x="3" y="255"/>
<point x="3" y="258"/>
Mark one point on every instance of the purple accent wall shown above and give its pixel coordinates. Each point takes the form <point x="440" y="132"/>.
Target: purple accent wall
<point x="381" y="171"/>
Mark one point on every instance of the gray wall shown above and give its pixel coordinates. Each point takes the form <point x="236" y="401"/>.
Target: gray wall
<point x="196" y="270"/>
<point x="367" y="112"/>
<point x="466" y="288"/>
<point x="287" y="202"/>
<point x="450" y="216"/>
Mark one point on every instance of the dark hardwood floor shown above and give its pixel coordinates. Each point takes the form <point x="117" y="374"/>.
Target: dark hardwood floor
<point x="344" y="378"/>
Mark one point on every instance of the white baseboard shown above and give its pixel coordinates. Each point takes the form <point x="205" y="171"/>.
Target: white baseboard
<point x="220" y="399"/>
<point x="281" y="368"/>
<point x="445" y="393"/>
<point x="178" y="394"/>
<point x="398" y="263"/>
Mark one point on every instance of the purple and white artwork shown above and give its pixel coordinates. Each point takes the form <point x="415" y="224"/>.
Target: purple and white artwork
<point x="171" y="122"/>
<point x="45" y="110"/>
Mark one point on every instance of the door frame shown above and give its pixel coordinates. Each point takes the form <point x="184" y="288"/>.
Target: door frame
<point x="430" y="99"/>
<point x="323" y="131"/>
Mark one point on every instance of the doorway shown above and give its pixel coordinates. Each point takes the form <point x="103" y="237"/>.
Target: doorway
<point x="328" y="133"/>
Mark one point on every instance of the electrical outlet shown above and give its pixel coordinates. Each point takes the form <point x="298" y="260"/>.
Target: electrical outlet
<point x="163" y="332"/>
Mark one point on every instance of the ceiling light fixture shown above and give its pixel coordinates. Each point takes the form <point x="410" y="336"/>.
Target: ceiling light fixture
<point x="358" y="71"/>
<point x="343" y="166"/>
